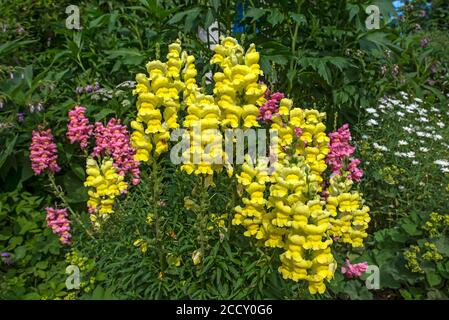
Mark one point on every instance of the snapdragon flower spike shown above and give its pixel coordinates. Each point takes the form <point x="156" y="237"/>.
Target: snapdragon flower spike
<point x="355" y="173"/>
<point x="340" y="151"/>
<point x="271" y="107"/>
<point x="113" y="140"/>
<point x="43" y="152"/>
<point x="57" y="220"/>
<point x="78" y="128"/>
<point x="354" y="270"/>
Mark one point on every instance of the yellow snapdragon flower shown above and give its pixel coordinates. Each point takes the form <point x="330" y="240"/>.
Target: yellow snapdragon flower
<point x="350" y="217"/>
<point x="295" y="216"/>
<point x="158" y="103"/>
<point x="105" y="185"/>
<point x="205" y="154"/>
<point x="237" y="90"/>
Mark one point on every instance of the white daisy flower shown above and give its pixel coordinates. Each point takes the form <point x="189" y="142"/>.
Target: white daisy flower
<point x="379" y="147"/>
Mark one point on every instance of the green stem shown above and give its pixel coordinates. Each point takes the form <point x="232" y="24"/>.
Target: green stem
<point x="155" y="178"/>
<point x="293" y="47"/>
<point x="60" y="194"/>
<point x="204" y="206"/>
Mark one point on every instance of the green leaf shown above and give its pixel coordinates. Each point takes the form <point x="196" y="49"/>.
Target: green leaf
<point x="442" y="245"/>
<point x="6" y="152"/>
<point x="411" y="229"/>
<point x="324" y="71"/>
<point x="215" y="4"/>
<point x="209" y="19"/>
<point x="191" y="19"/>
<point x="78" y="170"/>
<point x="255" y="13"/>
<point x="42" y="264"/>
<point x="433" y="279"/>
<point x="298" y="18"/>
<point x="101" y="276"/>
<point x="103" y="113"/>
<point x="98" y="21"/>
<point x="9" y="46"/>
<point x="14" y="241"/>
<point x="28" y="75"/>
<point x="76" y="192"/>
<point x="129" y="56"/>
<point x="275" y="17"/>
<point x="353" y="10"/>
<point x="98" y="293"/>
<point x="20" y="252"/>
<point x="26" y="225"/>
<point x="177" y="17"/>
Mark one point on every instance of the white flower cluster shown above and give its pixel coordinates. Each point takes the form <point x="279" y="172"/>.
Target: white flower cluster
<point x="410" y="130"/>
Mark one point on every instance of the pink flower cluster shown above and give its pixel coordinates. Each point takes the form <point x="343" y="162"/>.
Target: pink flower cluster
<point x="354" y="270"/>
<point x="43" y="152"/>
<point x="271" y="106"/>
<point x="78" y="128"/>
<point x="57" y="220"/>
<point x="113" y="140"/>
<point x="340" y="151"/>
<point x="355" y="173"/>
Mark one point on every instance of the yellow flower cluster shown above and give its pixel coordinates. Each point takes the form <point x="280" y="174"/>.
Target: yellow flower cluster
<point x="411" y="256"/>
<point x="142" y="245"/>
<point x="253" y="179"/>
<point x="105" y="185"/>
<point x="294" y="217"/>
<point x="312" y="142"/>
<point x="205" y="153"/>
<point x="300" y="213"/>
<point x="291" y="219"/>
<point x="237" y="91"/>
<point x="158" y="104"/>
<point x="350" y="217"/>
<point x="436" y="224"/>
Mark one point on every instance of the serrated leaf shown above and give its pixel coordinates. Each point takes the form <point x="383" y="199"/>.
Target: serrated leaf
<point x="298" y="18"/>
<point x="275" y="17"/>
<point x="255" y="13"/>
<point x="324" y="71"/>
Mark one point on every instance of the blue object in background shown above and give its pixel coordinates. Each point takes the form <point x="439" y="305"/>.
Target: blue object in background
<point x="236" y="26"/>
<point x="398" y="4"/>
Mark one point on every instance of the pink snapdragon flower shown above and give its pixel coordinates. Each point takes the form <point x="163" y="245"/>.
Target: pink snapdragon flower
<point x="271" y="107"/>
<point x="298" y="132"/>
<point x="43" y="152"/>
<point x="340" y="151"/>
<point x="355" y="173"/>
<point x="78" y="128"/>
<point x="354" y="270"/>
<point x="57" y="220"/>
<point x="113" y="140"/>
